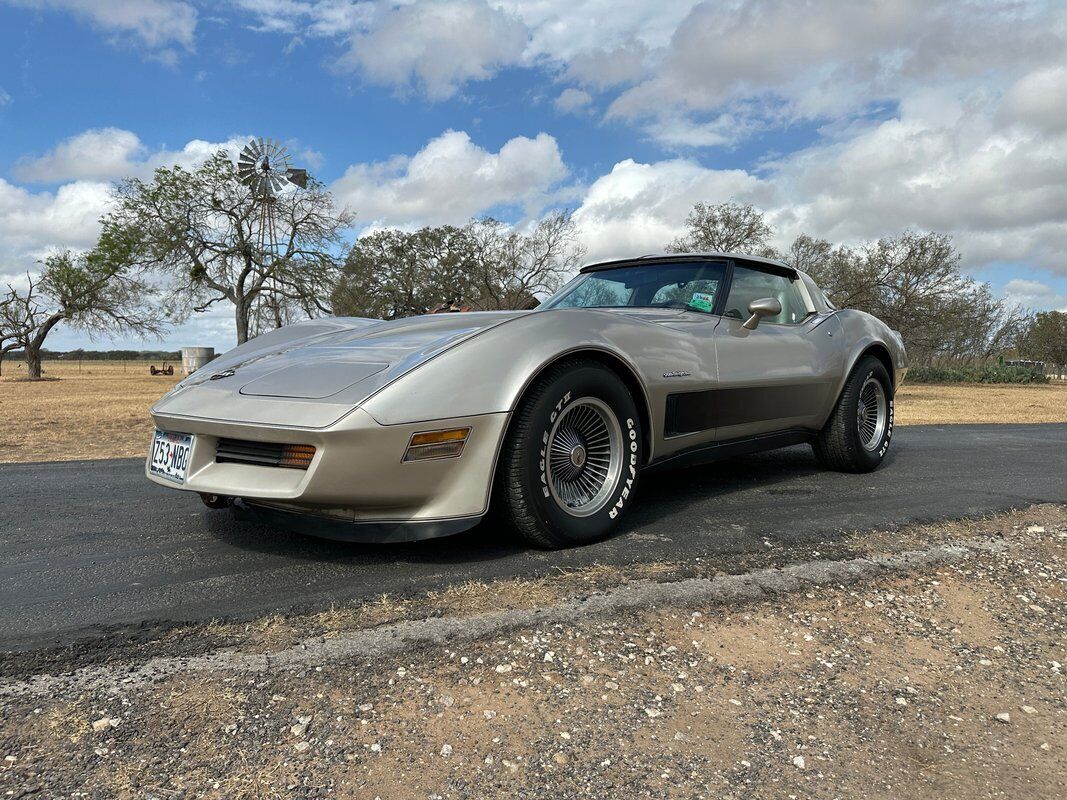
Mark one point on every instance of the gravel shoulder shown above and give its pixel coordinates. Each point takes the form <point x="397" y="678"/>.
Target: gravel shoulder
<point x="936" y="674"/>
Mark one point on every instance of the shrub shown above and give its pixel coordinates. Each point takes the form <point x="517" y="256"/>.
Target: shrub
<point x="988" y="374"/>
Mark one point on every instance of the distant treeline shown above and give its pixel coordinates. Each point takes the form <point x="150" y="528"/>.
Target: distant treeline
<point x="101" y="355"/>
<point x="990" y="373"/>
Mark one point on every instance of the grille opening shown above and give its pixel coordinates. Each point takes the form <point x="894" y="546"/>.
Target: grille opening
<point x="264" y="454"/>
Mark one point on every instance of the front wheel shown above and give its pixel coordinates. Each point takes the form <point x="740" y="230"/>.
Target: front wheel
<point x="857" y="435"/>
<point x="571" y="457"/>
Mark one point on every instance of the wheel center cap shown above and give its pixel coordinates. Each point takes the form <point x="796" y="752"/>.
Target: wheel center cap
<point x="578" y="455"/>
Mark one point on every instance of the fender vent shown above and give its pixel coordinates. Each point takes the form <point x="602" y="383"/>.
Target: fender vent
<point x="264" y="454"/>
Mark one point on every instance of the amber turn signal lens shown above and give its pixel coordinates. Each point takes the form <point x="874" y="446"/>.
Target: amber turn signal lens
<point x="437" y="444"/>
<point x="437" y="437"/>
<point x="297" y="456"/>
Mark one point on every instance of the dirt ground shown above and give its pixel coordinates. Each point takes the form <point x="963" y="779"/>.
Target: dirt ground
<point x="100" y="410"/>
<point x="945" y="681"/>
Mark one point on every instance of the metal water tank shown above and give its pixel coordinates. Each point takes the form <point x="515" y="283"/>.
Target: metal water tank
<point x="193" y="358"/>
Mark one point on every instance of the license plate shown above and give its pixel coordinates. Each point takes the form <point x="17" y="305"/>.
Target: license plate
<point x="170" y="455"/>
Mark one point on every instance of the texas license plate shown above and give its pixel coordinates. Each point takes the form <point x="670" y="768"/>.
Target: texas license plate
<point x="170" y="455"/>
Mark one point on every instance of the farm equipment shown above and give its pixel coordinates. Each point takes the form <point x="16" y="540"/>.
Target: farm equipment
<point x="166" y="369"/>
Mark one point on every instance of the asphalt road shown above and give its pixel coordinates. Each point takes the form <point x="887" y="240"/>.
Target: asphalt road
<point x="89" y="545"/>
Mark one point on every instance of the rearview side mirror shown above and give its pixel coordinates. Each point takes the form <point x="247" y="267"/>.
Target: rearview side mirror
<point x="764" y="307"/>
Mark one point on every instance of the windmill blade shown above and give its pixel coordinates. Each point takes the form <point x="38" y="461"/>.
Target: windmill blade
<point x="298" y="177"/>
<point x="275" y="182"/>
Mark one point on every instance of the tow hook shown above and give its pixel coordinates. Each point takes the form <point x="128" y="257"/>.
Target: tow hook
<point x="216" y="500"/>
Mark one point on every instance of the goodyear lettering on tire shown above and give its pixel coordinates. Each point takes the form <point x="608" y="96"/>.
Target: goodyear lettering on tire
<point x="627" y="485"/>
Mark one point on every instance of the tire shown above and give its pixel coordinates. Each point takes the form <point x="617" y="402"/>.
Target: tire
<point x="853" y="440"/>
<point x="551" y="490"/>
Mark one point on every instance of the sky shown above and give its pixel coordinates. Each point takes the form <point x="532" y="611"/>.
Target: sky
<point x="848" y="121"/>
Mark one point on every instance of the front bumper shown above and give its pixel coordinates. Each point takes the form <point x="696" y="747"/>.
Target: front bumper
<point x="356" y="476"/>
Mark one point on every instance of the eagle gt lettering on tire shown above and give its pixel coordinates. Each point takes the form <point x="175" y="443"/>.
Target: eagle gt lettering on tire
<point x="572" y="456"/>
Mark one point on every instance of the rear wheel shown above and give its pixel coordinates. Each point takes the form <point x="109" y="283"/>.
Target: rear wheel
<point x="571" y="457"/>
<point x="857" y="435"/>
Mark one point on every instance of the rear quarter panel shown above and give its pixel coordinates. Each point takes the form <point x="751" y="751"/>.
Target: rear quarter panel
<point x="863" y="331"/>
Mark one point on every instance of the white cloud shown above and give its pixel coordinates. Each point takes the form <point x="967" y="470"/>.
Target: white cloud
<point x="106" y="154"/>
<point x="607" y="68"/>
<point x="1038" y="99"/>
<point x="1034" y="294"/>
<point x="639" y="208"/>
<point x="33" y="223"/>
<point x="5" y="98"/>
<point x="573" y="100"/>
<point x="452" y="179"/>
<point x="943" y="163"/>
<point x="836" y="57"/>
<point x="95" y="155"/>
<point x="563" y="30"/>
<point x="438" y="45"/>
<point x="155" y="24"/>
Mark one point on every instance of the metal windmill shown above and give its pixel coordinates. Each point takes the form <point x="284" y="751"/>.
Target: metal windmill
<point x="263" y="166"/>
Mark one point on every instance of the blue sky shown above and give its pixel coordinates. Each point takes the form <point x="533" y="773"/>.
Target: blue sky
<point x="848" y="121"/>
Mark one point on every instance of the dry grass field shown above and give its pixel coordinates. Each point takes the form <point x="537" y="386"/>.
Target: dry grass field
<point x="100" y="410"/>
<point x="922" y="404"/>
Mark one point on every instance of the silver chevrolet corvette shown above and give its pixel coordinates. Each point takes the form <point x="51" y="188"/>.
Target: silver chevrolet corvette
<point x="414" y="428"/>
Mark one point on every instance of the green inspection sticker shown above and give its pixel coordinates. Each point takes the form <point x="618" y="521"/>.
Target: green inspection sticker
<point x="702" y="301"/>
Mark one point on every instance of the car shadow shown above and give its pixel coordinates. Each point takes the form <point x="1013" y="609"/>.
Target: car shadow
<point x="664" y="497"/>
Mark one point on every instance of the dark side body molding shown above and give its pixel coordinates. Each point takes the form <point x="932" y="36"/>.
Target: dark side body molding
<point x="689" y="412"/>
<point x="706" y="453"/>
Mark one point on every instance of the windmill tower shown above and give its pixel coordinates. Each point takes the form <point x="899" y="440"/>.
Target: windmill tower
<point x="263" y="166"/>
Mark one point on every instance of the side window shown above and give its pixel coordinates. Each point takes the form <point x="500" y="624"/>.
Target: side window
<point x="683" y="292"/>
<point x="749" y="285"/>
<point x="597" y="292"/>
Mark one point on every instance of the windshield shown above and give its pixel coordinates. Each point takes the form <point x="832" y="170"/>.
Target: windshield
<point x="690" y="285"/>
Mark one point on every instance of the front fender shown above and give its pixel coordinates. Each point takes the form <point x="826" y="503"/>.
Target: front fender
<point x="488" y="373"/>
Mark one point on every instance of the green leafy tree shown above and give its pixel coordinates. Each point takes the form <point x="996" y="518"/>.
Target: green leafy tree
<point x="201" y="230"/>
<point x="85" y="292"/>
<point x="485" y="265"/>
<point x="392" y="273"/>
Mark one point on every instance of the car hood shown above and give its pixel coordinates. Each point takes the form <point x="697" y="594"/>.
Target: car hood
<point x="312" y="373"/>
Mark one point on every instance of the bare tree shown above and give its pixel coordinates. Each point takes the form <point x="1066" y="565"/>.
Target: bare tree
<point x="12" y="332"/>
<point x="83" y="291"/>
<point x="914" y="284"/>
<point x="513" y="269"/>
<point x="200" y="229"/>
<point x="725" y="228"/>
<point x="1045" y="338"/>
